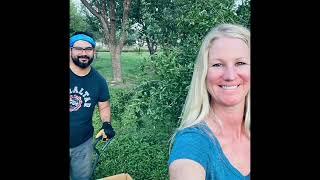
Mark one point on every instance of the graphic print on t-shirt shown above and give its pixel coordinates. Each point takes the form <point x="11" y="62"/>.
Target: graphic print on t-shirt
<point x="77" y="98"/>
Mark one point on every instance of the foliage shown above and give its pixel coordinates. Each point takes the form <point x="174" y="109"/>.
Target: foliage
<point x="140" y="146"/>
<point x="191" y="21"/>
<point x="173" y="67"/>
<point x="140" y="152"/>
<point x="77" y="22"/>
<point x="94" y="26"/>
<point x="149" y="14"/>
<point x="244" y="12"/>
<point x="82" y="20"/>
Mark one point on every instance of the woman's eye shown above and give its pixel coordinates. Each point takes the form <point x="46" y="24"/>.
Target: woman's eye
<point x="240" y="63"/>
<point x="217" y="65"/>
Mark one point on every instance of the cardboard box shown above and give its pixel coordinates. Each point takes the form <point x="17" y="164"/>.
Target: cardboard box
<point x="123" y="176"/>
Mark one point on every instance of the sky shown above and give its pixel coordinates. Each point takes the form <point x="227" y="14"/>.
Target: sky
<point x="77" y="2"/>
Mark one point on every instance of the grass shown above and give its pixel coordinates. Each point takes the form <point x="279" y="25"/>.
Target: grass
<point x="130" y="62"/>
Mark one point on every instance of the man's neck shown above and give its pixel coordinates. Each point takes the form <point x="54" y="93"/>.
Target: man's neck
<point x="79" y="71"/>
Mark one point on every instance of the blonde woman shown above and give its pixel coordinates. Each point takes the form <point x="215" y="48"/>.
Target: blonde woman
<point x="213" y="139"/>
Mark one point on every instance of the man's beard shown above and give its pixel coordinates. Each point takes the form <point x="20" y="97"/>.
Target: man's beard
<point x="80" y="64"/>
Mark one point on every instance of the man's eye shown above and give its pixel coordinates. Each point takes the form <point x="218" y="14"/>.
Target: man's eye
<point x="78" y="48"/>
<point x="85" y="49"/>
<point x="88" y="49"/>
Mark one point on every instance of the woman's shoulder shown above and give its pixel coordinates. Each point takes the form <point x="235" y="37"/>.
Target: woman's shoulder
<point x="192" y="143"/>
<point x="198" y="131"/>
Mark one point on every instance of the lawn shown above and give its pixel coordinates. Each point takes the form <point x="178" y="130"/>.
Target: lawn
<point x="130" y="62"/>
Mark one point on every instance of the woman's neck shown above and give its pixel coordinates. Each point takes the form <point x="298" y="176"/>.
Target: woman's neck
<point x="228" y="121"/>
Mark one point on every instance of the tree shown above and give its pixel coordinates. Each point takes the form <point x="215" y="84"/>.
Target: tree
<point x="150" y="15"/>
<point x="94" y="26"/>
<point x="77" y="22"/>
<point x="183" y="27"/>
<point x="243" y="13"/>
<point x="108" y="16"/>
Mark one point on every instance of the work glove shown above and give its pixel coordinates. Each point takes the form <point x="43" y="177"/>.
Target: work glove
<point x="106" y="131"/>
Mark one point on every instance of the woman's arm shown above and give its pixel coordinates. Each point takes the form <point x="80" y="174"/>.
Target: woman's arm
<point x="185" y="169"/>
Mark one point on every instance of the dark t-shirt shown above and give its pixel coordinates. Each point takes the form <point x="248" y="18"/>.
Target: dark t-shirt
<point x="85" y="92"/>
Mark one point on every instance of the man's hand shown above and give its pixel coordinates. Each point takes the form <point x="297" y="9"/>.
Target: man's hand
<point x="106" y="131"/>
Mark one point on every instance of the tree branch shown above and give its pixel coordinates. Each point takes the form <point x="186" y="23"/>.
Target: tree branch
<point x="90" y="8"/>
<point x="125" y="23"/>
<point x="113" y="22"/>
<point x="105" y="16"/>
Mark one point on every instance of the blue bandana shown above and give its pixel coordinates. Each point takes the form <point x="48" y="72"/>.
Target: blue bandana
<point x="82" y="37"/>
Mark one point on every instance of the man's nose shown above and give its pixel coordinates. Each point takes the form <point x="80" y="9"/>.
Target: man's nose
<point x="83" y="51"/>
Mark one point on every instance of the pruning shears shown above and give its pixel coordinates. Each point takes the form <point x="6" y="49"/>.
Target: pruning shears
<point x="105" y="142"/>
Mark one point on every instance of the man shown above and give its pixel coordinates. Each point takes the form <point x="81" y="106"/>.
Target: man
<point x="87" y="89"/>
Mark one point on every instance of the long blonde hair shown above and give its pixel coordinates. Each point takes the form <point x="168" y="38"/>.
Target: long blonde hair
<point x="197" y="104"/>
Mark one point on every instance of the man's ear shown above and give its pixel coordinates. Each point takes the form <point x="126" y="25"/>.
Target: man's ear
<point x="95" y="55"/>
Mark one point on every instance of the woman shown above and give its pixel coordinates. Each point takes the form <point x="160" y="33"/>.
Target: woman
<point x="213" y="139"/>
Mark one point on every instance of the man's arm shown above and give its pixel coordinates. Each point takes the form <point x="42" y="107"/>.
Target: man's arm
<point x="104" y="110"/>
<point x="106" y="131"/>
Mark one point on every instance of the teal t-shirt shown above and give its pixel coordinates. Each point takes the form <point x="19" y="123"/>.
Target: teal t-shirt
<point x="85" y="92"/>
<point x="199" y="144"/>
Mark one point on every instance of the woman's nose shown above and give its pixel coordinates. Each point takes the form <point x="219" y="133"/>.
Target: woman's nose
<point x="229" y="74"/>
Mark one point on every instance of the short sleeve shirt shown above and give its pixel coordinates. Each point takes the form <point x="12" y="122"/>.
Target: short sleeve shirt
<point x="199" y="144"/>
<point x="85" y="92"/>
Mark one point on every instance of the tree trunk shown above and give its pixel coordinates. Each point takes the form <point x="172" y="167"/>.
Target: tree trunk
<point x="116" y="64"/>
<point x="151" y="46"/>
<point x="108" y="22"/>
